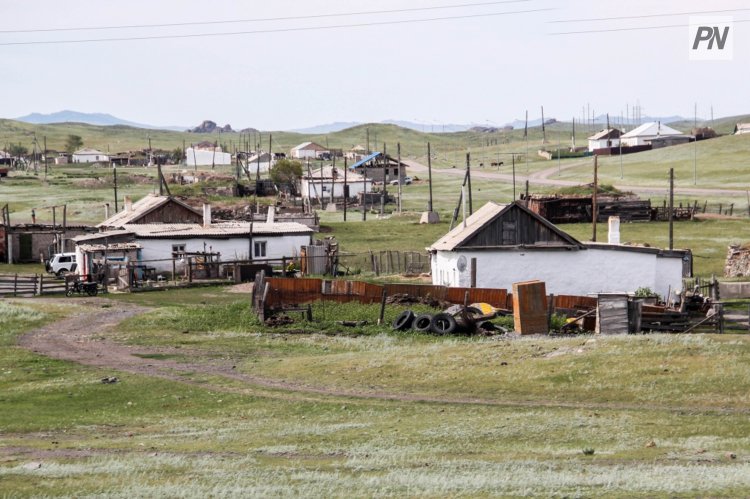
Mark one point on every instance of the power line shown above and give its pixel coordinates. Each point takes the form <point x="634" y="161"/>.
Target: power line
<point x="645" y="16"/>
<point x="275" y="30"/>
<point x="268" y="19"/>
<point x="634" y="28"/>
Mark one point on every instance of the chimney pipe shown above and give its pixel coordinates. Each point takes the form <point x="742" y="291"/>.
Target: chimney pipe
<point x="33" y="216"/>
<point x="206" y="214"/>
<point x="106" y="211"/>
<point x="614" y="230"/>
<point x="128" y="204"/>
<point x="271" y="216"/>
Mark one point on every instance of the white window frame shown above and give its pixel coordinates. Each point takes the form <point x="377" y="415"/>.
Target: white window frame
<point x="262" y="246"/>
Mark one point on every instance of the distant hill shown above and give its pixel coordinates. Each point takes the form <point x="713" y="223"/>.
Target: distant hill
<point x="100" y="119"/>
<point x="328" y="127"/>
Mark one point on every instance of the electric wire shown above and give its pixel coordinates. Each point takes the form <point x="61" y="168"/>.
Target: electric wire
<point x="272" y="30"/>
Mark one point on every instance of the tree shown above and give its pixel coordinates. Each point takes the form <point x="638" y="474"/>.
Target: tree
<point x="286" y="171"/>
<point x="178" y="155"/>
<point x="73" y="143"/>
<point x="17" y="150"/>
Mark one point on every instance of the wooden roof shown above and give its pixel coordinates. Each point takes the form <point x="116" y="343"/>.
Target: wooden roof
<point x="496" y="226"/>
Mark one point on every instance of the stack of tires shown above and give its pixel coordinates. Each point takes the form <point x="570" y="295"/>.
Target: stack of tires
<point x="440" y="323"/>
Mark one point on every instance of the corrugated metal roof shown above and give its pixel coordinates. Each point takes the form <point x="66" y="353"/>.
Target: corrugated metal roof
<point x="109" y="247"/>
<point x="607" y="133"/>
<point x="365" y="160"/>
<point x="218" y="230"/>
<point x="651" y="129"/>
<point x="141" y="208"/>
<point x="101" y="235"/>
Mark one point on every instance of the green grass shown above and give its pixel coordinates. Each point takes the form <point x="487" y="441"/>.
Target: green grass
<point x="148" y="437"/>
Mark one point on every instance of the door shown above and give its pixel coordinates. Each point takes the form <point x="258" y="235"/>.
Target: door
<point x="24" y="251"/>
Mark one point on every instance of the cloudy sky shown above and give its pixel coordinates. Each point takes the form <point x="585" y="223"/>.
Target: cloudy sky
<point x="291" y="63"/>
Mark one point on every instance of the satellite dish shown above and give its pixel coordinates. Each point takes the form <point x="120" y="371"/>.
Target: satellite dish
<point x="461" y="264"/>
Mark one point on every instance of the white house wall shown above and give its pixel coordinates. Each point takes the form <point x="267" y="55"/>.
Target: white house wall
<point x="205" y="157"/>
<point x="90" y="158"/>
<point x="313" y="191"/>
<point x="230" y="249"/>
<point x="565" y="272"/>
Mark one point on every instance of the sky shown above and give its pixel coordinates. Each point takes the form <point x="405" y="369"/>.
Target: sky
<point x="291" y="64"/>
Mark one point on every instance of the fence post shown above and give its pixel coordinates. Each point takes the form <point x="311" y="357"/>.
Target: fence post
<point x="40" y="284"/>
<point x="190" y="269"/>
<point x="382" y="307"/>
<point x="15" y="285"/>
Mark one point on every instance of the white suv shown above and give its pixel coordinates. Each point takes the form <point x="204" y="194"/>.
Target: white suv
<point x="61" y="263"/>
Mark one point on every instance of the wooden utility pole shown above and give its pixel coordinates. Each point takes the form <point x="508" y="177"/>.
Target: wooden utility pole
<point x="364" y="183"/>
<point x="513" y="159"/>
<point x="671" y="208"/>
<point x="384" y="194"/>
<point x="594" y="207"/>
<point x="114" y="182"/>
<point x="346" y="187"/>
<point x="468" y="181"/>
<point x="45" y="157"/>
<point x="400" y="177"/>
<point x="429" y="173"/>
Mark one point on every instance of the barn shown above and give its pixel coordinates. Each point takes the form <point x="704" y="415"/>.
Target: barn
<point x="502" y="244"/>
<point x="309" y="150"/>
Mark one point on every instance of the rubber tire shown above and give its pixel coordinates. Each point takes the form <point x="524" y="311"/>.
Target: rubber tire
<point x="92" y="290"/>
<point x="69" y="292"/>
<point x="403" y="321"/>
<point x="422" y="323"/>
<point x="443" y="324"/>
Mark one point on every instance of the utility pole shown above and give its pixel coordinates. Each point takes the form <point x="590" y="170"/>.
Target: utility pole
<point x="45" y="157"/>
<point x="671" y="208"/>
<point x="114" y="181"/>
<point x="346" y="187"/>
<point x="468" y="179"/>
<point x="695" y="145"/>
<point x="429" y="173"/>
<point x="594" y="207"/>
<point x="398" y="153"/>
<point x="513" y="159"/>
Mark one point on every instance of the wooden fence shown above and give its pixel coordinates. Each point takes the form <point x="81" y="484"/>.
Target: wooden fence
<point x="30" y="285"/>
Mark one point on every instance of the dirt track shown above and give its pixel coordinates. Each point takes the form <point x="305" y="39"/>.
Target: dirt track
<point x="83" y="339"/>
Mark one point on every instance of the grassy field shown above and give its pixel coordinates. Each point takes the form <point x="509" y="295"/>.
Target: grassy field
<point x="642" y="416"/>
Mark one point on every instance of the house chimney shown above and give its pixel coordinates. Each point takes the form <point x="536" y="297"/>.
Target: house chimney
<point x="271" y="216"/>
<point x="106" y="211"/>
<point x="33" y="216"/>
<point x="206" y="214"/>
<point x="614" y="230"/>
<point x="128" y="204"/>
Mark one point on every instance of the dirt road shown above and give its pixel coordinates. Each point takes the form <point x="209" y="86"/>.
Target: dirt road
<point x="543" y="178"/>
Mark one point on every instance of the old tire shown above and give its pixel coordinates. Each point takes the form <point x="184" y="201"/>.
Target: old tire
<point x="422" y="323"/>
<point x="92" y="290"/>
<point x="443" y="324"/>
<point x="69" y="292"/>
<point x="403" y="321"/>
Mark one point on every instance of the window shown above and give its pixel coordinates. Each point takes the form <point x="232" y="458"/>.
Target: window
<point x="260" y="249"/>
<point x="178" y="250"/>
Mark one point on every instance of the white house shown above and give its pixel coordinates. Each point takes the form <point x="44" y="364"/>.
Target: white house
<point x="88" y="155"/>
<point x="207" y="154"/>
<point x="309" y="150"/>
<point x="742" y="128"/>
<point x="260" y="162"/>
<point x="644" y="134"/>
<point x="323" y="181"/>
<point x="510" y="243"/>
<point x="609" y="137"/>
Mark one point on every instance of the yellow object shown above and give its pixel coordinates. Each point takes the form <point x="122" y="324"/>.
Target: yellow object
<point x="486" y="308"/>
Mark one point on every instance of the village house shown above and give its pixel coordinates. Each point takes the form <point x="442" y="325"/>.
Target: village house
<point x="328" y="183"/>
<point x="206" y="154"/>
<point x="654" y="134"/>
<point x="380" y="168"/>
<point x="502" y="244"/>
<point x="309" y="150"/>
<point x="741" y="128"/>
<point x="605" y="139"/>
<point x="157" y="231"/>
<point x="88" y="155"/>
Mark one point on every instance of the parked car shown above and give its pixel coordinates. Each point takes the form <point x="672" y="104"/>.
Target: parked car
<point x="407" y="181"/>
<point x="61" y="263"/>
